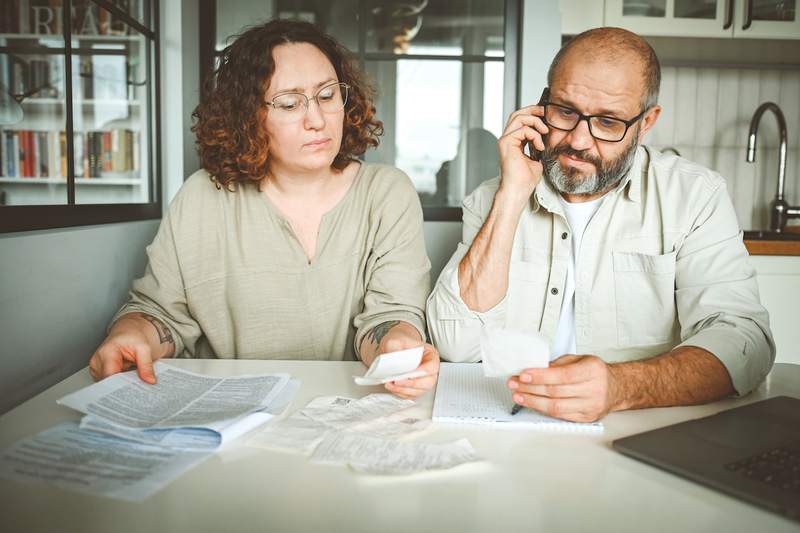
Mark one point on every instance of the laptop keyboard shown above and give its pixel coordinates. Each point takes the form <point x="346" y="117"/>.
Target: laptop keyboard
<point x="779" y="467"/>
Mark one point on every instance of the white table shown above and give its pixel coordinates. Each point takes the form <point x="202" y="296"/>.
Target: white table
<point x="530" y="480"/>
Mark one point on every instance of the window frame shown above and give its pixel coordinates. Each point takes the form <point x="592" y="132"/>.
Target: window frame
<point x="16" y="218"/>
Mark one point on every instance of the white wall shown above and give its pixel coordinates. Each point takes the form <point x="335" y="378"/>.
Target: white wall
<point x="58" y="290"/>
<point x="706" y="116"/>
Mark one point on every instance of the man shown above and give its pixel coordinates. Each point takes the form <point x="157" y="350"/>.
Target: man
<point x="630" y="262"/>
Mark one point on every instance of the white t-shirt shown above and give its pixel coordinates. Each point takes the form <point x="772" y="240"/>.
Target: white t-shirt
<point x="578" y="217"/>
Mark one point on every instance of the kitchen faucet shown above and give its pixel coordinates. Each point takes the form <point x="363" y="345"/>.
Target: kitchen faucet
<point x="780" y="211"/>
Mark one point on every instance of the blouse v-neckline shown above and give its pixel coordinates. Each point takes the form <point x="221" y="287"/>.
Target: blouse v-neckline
<point x="322" y="232"/>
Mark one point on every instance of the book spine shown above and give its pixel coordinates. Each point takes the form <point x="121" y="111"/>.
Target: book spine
<point x="107" y="163"/>
<point x="44" y="155"/>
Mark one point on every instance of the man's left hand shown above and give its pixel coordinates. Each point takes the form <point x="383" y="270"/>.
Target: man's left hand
<point x="578" y="388"/>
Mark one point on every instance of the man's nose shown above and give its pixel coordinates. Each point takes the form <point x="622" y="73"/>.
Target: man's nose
<point x="580" y="138"/>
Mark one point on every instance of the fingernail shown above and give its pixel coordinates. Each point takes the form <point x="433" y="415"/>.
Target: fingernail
<point x="517" y="398"/>
<point x="525" y="378"/>
<point x="513" y="384"/>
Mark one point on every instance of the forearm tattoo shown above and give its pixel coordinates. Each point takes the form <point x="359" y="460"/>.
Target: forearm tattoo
<point x="164" y="334"/>
<point x="377" y="333"/>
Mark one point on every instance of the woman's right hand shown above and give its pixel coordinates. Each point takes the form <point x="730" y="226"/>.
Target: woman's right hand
<point x="127" y="346"/>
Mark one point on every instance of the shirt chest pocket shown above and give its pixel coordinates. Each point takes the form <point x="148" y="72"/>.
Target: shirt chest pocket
<point x="529" y="272"/>
<point x="644" y="290"/>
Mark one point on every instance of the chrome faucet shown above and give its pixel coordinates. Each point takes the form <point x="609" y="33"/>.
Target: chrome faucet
<point x="780" y="211"/>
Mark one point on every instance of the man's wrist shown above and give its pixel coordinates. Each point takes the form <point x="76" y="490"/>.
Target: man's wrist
<point x="514" y="195"/>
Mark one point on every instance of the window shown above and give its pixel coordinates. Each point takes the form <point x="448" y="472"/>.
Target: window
<point x="78" y="113"/>
<point x="445" y="72"/>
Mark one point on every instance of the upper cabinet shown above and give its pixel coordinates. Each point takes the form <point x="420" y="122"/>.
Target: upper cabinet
<point x="742" y="19"/>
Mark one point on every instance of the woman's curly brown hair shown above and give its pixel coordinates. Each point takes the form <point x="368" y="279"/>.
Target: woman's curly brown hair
<point x="230" y="121"/>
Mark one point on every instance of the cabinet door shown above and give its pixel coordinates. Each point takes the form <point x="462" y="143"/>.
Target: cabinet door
<point x="676" y="18"/>
<point x="580" y="15"/>
<point x="767" y="19"/>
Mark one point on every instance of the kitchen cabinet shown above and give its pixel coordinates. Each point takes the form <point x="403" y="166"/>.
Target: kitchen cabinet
<point x="738" y="19"/>
<point x="779" y="287"/>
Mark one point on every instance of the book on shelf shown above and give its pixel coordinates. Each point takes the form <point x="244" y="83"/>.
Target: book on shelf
<point x="43" y="154"/>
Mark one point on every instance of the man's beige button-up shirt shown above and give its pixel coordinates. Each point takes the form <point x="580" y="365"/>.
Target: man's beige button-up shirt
<point x="662" y="264"/>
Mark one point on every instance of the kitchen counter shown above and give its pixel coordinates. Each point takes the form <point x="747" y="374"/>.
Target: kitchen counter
<point x="787" y="244"/>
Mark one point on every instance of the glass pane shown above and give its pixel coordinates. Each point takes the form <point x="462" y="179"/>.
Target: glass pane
<point x="453" y="27"/>
<point x="32" y="116"/>
<point x="696" y="9"/>
<point x="339" y="19"/>
<point x="781" y="10"/>
<point x="441" y="121"/>
<point x="111" y="106"/>
<point x="644" y="8"/>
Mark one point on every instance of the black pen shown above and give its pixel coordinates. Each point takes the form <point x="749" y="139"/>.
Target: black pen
<point x="516" y="409"/>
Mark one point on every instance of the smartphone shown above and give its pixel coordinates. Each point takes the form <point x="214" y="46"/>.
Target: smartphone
<point x="535" y="154"/>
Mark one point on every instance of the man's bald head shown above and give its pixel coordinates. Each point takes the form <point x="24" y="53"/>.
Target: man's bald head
<point x="613" y="45"/>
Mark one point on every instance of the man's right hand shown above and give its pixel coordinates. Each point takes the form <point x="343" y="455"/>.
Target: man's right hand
<point x="519" y="173"/>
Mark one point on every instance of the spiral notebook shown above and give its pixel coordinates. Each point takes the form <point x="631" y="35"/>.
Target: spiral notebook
<point x="465" y="396"/>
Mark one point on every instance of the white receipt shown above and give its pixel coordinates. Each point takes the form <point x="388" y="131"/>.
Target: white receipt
<point x="393" y="366"/>
<point x="379" y="456"/>
<point x="375" y="414"/>
<point x="365" y="409"/>
<point x="507" y="353"/>
<point x="298" y="433"/>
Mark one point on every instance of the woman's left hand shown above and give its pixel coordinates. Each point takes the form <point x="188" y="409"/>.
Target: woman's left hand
<point x="414" y="388"/>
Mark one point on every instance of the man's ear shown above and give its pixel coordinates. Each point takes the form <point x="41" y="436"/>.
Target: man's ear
<point x="649" y="120"/>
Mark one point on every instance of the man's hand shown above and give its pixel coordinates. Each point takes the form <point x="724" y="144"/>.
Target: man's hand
<point x="519" y="172"/>
<point x="578" y="388"/>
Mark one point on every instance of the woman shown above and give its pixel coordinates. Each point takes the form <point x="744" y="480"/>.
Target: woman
<point x="284" y="246"/>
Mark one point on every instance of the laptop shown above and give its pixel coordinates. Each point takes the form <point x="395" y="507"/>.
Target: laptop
<point x="750" y="452"/>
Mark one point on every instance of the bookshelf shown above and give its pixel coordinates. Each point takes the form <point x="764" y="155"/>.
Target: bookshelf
<point x="111" y="106"/>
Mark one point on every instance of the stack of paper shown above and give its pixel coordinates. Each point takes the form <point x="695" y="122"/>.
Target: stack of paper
<point x="136" y="437"/>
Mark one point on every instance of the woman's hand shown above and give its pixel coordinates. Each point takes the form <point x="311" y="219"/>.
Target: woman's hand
<point x="414" y="388"/>
<point x="135" y="340"/>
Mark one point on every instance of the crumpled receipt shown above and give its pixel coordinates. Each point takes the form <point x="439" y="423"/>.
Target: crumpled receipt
<point x="393" y="366"/>
<point x="507" y="352"/>
<point x="380" y="456"/>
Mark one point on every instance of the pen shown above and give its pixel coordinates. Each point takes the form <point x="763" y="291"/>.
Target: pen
<point x="516" y="409"/>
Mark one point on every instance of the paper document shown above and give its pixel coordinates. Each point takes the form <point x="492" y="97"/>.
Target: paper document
<point x="94" y="463"/>
<point x="393" y="366"/>
<point x="465" y="395"/>
<point x="179" y="399"/>
<point x="375" y="414"/>
<point x="506" y="353"/>
<point x="367" y="408"/>
<point x="191" y="438"/>
<point x="380" y="456"/>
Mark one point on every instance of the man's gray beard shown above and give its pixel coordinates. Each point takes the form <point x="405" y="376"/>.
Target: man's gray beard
<point x="571" y="182"/>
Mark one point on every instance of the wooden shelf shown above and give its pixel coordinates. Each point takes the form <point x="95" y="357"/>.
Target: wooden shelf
<point x="78" y="181"/>
<point x="88" y="101"/>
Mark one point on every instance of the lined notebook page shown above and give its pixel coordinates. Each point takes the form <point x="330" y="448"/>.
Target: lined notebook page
<point x="465" y="395"/>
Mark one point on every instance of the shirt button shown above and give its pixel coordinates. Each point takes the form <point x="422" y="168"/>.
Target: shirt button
<point x="564" y="235"/>
<point x="553" y="291"/>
